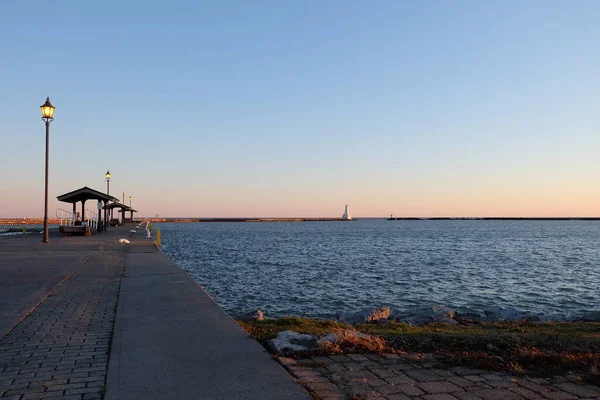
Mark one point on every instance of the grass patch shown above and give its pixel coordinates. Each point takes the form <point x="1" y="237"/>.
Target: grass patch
<point x="543" y="349"/>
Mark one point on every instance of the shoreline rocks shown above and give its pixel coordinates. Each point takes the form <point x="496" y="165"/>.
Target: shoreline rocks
<point x="290" y="341"/>
<point x="251" y="316"/>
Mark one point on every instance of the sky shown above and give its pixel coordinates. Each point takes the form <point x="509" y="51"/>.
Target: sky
<point x="296" y="108"/>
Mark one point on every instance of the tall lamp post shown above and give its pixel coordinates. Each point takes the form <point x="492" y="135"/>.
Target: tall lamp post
<point x="129" y="201"/>
<point x="107" y="176"/>
<point x="47" y="116"/>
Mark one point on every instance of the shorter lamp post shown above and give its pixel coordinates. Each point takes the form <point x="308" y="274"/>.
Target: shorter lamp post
<point x="47" y="116"/>
<point x="129" y="201"/>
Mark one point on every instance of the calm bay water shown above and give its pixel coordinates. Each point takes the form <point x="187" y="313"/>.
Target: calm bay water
<point x="549" y="269"/>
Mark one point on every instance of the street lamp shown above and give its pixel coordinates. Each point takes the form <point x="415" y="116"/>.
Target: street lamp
<point x="47" y="116"/>
<point x="107" y="176"/>
<point x="129" y="201"/>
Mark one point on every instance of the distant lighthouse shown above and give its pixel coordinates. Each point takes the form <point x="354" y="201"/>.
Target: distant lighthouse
<point x="346" y="216"/>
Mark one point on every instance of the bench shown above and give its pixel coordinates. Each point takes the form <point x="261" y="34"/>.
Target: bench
<point x="73" y="230"/>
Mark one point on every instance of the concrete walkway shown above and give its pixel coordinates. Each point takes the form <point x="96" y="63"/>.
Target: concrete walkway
<point x="86" y="318"/>
<point x="172" y="341"/>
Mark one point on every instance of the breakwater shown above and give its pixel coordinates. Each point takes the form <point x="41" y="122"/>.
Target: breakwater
<point x="493" y="219"/>
<point x="292" y="219"/>
<point x="27" y="221"/>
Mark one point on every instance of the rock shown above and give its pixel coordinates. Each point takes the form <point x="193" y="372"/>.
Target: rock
<point x="290" y="341"/>
<point x="443" y="314"/>
<point x="333" y="338"/>
<point x="367" y="315"/>
<point x="504" y="314"/>
<point x="252" y="316"/>
<point x="329" y="338"/>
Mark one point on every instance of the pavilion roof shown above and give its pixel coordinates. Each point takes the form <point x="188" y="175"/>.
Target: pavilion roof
<point x="83" y="194"/>
<point x="123" y="207"/>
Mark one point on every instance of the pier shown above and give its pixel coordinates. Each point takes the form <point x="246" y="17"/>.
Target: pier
<point x="84" y="317"/>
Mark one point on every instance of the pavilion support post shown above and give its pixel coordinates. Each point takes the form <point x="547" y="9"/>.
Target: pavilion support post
<point x="82" y="210"/>
<point x="105" y="216"/>
<point x="74" y="211"/>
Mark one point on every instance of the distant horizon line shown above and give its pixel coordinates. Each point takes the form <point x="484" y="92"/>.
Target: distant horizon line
<point x="355" y="217"/>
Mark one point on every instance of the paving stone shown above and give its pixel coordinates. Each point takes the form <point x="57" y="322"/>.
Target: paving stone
<point x="309" y="379"/>
<point x="397" y="396"/>
<point x="387" y="389"/>
<point x="460" y="381"/>
<point x="357" y="357"/>
<point x="410" y="390"/>
<point x="474" y="378"/>
<point x="534" y="387"/>
<point x="440" y="396"/>
<point x="357" y="376"/>
<point x="383" y="372"/>
<point x="460" y="370"/>
<point x="400" y="379"/>
<point x="443" y="372"/>
<point x="439" y="387"/>
<point x="353" y="366"/>
<point x="83" y="390"/>
<point x="525" y="393"/>
<point x="45" y="395"/>
<point x="497" y="394"/>
<point x="500" y="384"/>
<point x="331" y="395"/>
<point x="465" y="396"/>
<point x="337" y="367"/>
<point x="493" y="377"/>
<point x="359" y="389"/>
<point x="423" y="375"/>
<point x="579" y="390"/>
<point x="340" y="358"/>
<point x="401" y="366"/>
<point x="307" y="362"/>
<point x="309" y="372"/>
<point x="286" y="361"/>
<point x="483" y="385"/>
<point x="559" y="395"/>
<point x="322" y="386"/>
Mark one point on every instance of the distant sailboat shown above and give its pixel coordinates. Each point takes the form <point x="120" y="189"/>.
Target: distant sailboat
<point x="346" y="215"/>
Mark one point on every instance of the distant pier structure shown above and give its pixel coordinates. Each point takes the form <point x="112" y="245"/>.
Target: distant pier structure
<point x="346" y="215"/>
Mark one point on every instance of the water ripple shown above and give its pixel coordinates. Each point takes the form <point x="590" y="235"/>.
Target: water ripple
<point x="544" y="268"/>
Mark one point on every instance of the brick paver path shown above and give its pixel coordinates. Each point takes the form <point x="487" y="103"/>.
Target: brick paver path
<point x="393" y="377"/>
<point x="61" y="348"/>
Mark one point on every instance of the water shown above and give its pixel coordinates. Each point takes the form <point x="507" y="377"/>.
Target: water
<point x="549" y="269"/>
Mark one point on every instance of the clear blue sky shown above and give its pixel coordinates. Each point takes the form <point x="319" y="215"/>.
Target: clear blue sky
<point x="295" y="108"/>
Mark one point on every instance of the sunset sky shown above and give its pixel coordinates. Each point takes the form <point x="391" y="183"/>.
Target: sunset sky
<point x="295" y="108"/>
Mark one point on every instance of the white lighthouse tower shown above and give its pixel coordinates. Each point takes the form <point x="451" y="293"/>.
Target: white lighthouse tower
<point x="346" y="216"/>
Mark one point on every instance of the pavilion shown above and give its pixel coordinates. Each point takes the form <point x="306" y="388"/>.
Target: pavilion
<point x="84" y="194"/>
<point x="123" y="208"/>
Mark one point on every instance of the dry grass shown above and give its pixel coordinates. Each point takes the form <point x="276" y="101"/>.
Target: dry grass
<point x="544" y="349"/>
<point x="349" y="342"/>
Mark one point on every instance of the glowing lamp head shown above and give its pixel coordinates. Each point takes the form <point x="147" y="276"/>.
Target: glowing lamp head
<point x="130" y="198"/>
<point x="47" y="109"/>
<point x="107" y="175"/>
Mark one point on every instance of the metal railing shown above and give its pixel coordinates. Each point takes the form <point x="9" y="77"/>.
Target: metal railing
<point x="66" y="218"/>
<point x="91" y="220"/>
